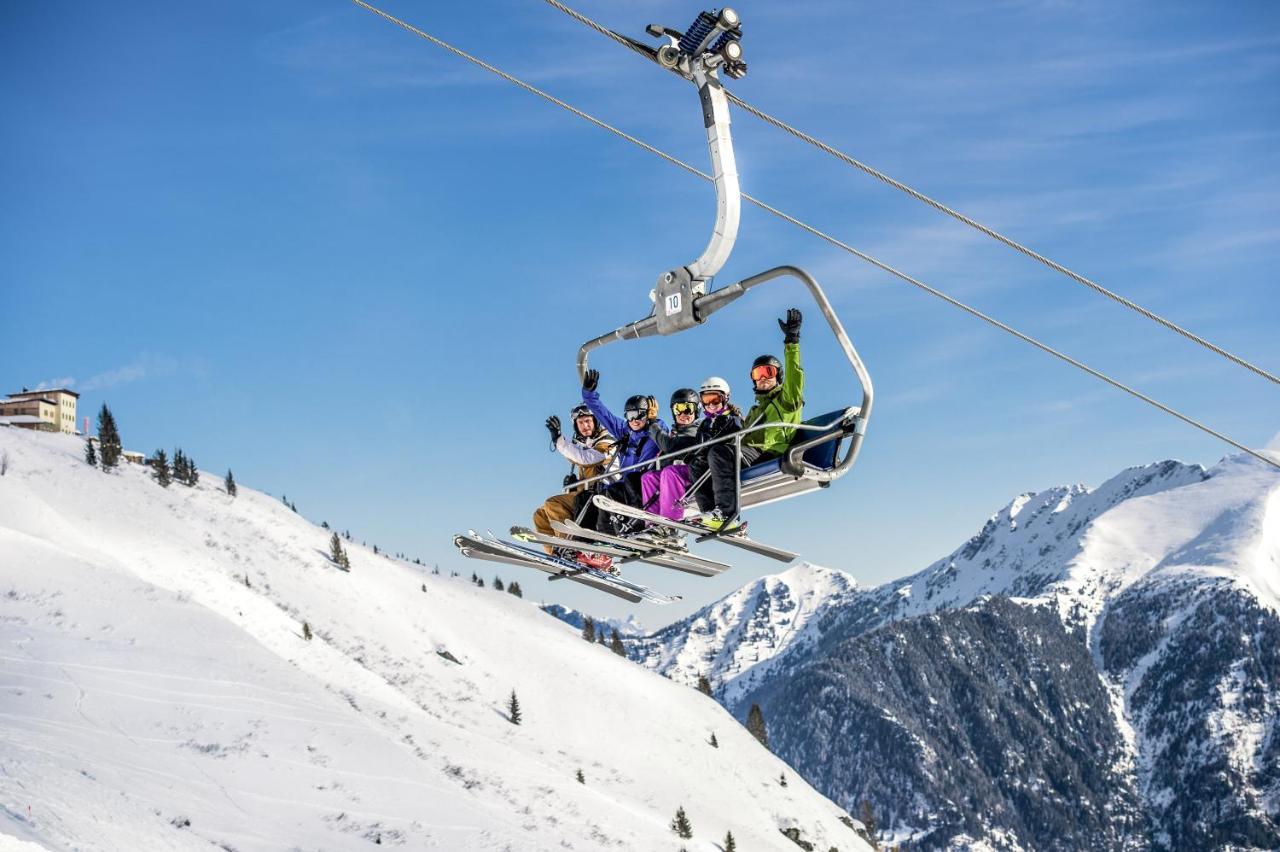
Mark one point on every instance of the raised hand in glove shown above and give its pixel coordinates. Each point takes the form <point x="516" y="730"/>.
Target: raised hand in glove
<point x="553" y="426"/>
<point x="791" y="326"/>
<point x="590" y="380"/>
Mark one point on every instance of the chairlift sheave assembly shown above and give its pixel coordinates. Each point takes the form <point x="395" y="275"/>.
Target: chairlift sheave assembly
<point x="826" y="446"/>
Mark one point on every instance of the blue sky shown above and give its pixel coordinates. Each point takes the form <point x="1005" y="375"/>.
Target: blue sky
<point x="305" y="245"/>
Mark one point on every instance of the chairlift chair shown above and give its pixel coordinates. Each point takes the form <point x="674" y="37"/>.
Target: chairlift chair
<point x="826" y="446"/>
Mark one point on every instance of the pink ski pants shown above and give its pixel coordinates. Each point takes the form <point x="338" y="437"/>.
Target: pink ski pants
<point x="669" y="484"/>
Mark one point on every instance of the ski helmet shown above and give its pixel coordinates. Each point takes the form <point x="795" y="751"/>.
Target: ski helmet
<point x="582" y="410"/>
<point x="689" y="396"/>
<point x="637" y="407"/>
<point x="766" y="361"/>
<point x="715" y="384"/>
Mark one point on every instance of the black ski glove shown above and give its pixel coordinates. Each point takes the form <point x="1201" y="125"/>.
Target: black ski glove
<point x="590" y="380"/>
<point x="553" y="426"/>
<point x="791" y="326"/>
<point x="569" y="479"/>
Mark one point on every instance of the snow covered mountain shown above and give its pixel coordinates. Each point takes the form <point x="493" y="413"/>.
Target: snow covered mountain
<point x="1112" y="650"/>
<point x="160" y="691"/>
<point x="626" y="627"/>
<point x="733" y="641"/>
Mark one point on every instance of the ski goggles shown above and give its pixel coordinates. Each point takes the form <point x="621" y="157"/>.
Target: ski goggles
<point x="712" y="399"/>
<point x="764" y="371"/>
<point x="636" y="413"/>
<point x="684" y="408"/>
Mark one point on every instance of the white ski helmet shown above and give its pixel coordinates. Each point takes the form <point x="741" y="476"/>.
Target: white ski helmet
<point x="715" y="384"/>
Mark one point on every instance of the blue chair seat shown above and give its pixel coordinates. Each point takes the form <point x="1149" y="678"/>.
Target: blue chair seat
<point x="822" y="456"/>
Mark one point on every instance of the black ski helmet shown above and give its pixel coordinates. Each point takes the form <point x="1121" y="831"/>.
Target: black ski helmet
<point x="686" y="395"/>
<point x="766" y="361"/>
<point x="582" y="410"/>
<point x="638" y="402"/>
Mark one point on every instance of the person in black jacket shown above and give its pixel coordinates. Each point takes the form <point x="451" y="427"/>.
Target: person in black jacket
<point x="716" y="495"/>
<point x="662" y="489"/>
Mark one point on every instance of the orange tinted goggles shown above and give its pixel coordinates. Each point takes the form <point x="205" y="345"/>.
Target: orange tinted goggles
<point x="764" y="371"/>
<point x="712" y="398"/>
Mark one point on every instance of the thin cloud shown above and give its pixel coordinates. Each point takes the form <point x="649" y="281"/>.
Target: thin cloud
<point x="144" y="366"/>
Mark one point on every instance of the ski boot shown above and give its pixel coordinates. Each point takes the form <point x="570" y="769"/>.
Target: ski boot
<point x="598" y="561"/>
<point x="715" y="522"/>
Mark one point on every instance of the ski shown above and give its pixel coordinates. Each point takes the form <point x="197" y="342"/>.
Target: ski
<point x="625" y="550"/>
<point x="703" y="534"/>
<point x="576" y="568"/>
<point x="474" y="547"/>
<point x="494" y="549"/>
<point x="527" y="535"/>
<point x="480" y="550"/>
<point x="667" y="557"/>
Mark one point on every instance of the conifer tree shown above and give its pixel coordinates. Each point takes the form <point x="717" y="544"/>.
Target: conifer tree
<point x="160" y="469"/>
<point x="306" y="631"/>
<point x="756" y="725"/>
<point x="681" y="825"/>
<point x="337" y="553"/>
<point x="514" y="589"/>
<point x="497" y="584"/>
<point x="581" y="778"/>
<point x="782" y="779"/>
<point x="868" y="819"/>
<point x="90" y="454"/>
<point x="600" y="635"/>
<point x="715" y="743"/>
<point x="704" y="685"/>
<point x="193" y="473"/>
<point x="513" y="709"/>
<point x="615" y="645"/>
<point x="109" y="447"/>
<point x="480" y="582"/>
<point x="179" y="464"/>
<point x="589" y="629"/>
<point x="730" y="845"/>
<point x="230" y="483"/>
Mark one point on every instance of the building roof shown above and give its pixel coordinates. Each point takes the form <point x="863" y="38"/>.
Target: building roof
<point x="26" y="393"/>
<point x="27" y="400"/>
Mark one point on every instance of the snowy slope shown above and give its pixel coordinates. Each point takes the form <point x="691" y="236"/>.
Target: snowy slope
<point x="151" y="699"/>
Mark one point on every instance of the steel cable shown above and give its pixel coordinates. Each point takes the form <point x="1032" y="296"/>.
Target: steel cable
<point x="821" y="235"/>
<point x="942" y="208"/>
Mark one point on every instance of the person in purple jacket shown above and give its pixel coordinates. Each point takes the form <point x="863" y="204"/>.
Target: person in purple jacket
<point x="636" y="433"/>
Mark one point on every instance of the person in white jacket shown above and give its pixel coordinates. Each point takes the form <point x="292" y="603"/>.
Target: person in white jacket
<point x="589" y="453"/>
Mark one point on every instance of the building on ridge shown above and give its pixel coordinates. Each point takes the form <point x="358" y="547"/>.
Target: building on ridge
<point x="52" y="410"/>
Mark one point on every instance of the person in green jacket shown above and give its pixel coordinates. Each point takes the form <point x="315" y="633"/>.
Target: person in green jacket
<point x="779" y="395"/>
<point x="779" y="389"/>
